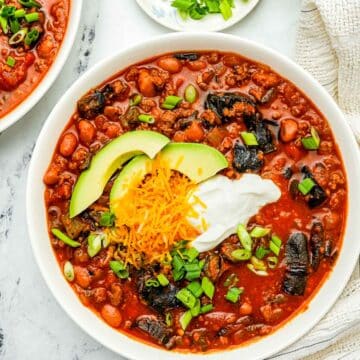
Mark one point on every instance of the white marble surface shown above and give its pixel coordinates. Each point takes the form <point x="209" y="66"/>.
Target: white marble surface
<point x="32" y="325"/>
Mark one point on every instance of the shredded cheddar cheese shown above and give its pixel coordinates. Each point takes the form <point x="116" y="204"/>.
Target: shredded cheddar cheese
<point x="153" y="216"/>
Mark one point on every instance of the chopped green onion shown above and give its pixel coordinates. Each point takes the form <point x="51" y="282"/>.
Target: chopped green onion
<point x="149" y="119"/>
<point x="258" y="264"/>
<point x="193" y="275"/>
<point x="276" y="240"/>
<point x="274" y="248"/>
<point x="186" y="297"/>
<point x="32" y="37"/>
<point x="171" y="102"/>
<point x="201" y="263"/>
<point x="197" y="12"/>
<point x="259" y="232"/>
<point x="119" y="268"/>
<point x="272" y="261"/>
<point x="31" y="17"/>
<point x="69" y="271"/>
<point x="225" y="9"/>
<point x="182" y="4"/>
<point x="261" y="252"/>
<point x="249" y="138"/>
<point x="64" y="238"/>
<point x="135" y="100"/>
<point x="306" y="186"/>
<point x="257" y="272"/>
<point x="206" y="308"/>
<point x="107" y="219"/>
<point x="177" y="262"/>
<point x="208" y="287"/>
<point x="94" y="244"/>
<point x="10" y="61"/>
<point x="163" y="280"/>
<point x="18" y="37"/>
<point x="105" y="241"/>
<point x="178" y="274"/>
<point x="19" y="13"/>
<point x="152" y="283"/>
<point x="14" y="26"/>
<point x="191" y="93"/>
<point x="168" y="319"/>
<point x="241" y="254"/>
<point x="191" y="267"/>
<point x="232" y="279"/>
<point x="244" y="237"/>
<point x="8" y="11"/>
<point x="311" y="142"/>
<point x="185" y="319"/>
<point x="233" y="294"/>
<point x="190" y="254"/>
<point x="4" y="25"/>
<point x="213" y="6"/>
<point x="195" y="288"/>
<point x="30" y="3"/>
<point x="195" y="311"/>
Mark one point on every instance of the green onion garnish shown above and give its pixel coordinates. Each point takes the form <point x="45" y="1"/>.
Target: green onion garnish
<point x="249" y="138"/>
<point x="119" y="268"/>
<point x="257" y="272"/>
<point x="18" y="37"/>
<point x="233" y="294"/>
<point x="152" y="283"/>
<point x="186" y="297"/>
<point x="31" y="37"/>
<point x="14" y="25"/>
<point x="193" y="275"/>
<point x="276" y="240"/>
<point x="168" y="319"/>
<point x="195" y="311"/>
<point x="206" y="308"/>
<point x="208" y="287"/>
<point x="195" y="288"/>
<point x="232" y="279"/>
<point x="64" y="238"/>
<point x="225" y="9"/>
<point x="163" y="280"/>
<point x="171" y="102"/>
<point x="306" y="186"/>
<point x="19" y="13"/>
<point x="190" y="254"/>
<point x="146" y="118"/>
<point x="69" y="271"/>
<point x="31" y="17"/>
<point x="259" y="232"/>
<point x="272" y="261"/>
<point x="244" y="237"/>
<point x="177" y="262"/>
<point x="8" y="11"/>
<point x="275" y="245"/>
<point x="241" y="254"/>
<point x="261" y="252"/>
<point x="29" y="3"/>
<point x="258" y="264"/>
<point x="10" y="61"/>
<point x="178" y="274"/>
<point x="94" y="244"/>
<point x="185" y="319"/>
<point x="311" y="142"/>
<point x="107" y="219"/>
<point x="135" y="100"/>
<point x="191" y="93"/>
<point x="4" y="25"/>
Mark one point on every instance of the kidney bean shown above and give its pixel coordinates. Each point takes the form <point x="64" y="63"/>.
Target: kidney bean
<point x="82" y="276"/>
<point x="196" y="65"/>
<point x="288" y="130"/>
<point x="68" y="144"/>
<point x="170" y="64"/>
<point x="52" y="175"/>
<point x="111" y="315"/>
<point x="145" y="83"/>
<point x="86" y="132"/>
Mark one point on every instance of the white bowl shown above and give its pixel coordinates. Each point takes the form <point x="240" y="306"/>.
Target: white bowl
<point x="29" y="102"/>
<point x="36" y="213"/>
<point x="162" y="12"/>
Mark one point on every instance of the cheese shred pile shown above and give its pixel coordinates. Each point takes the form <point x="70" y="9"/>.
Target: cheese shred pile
<point x="153" y="216"/>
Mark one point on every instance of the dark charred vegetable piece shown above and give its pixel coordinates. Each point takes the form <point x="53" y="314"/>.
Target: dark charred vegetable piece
<point x="297" y="260"/>
<point x="238" y="325"/>
<point x="328" y="248"/>
<point x="155" y="327"/>
<point x="91" y="105"/>
<point x="226" y="250"/>
<point x="213" y="267"/>
<point x="294" y="188"/>
<point x="316" y="243"/>
<point x="160" y="298"/>
<point x="246" y="159"/>
<point x="288" y="173"/>
<point x="75" y="226"/>
<point x="317" y="195"/>
<point x="115" y="90"/>
<point x="187" y="56"/>
<point x="130" y="117"/>
<point x="269" y="95"/>
<point x="264" y="136"/>
<point x="220" y="101"/>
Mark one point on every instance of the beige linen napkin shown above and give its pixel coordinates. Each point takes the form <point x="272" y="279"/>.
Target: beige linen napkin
<point x="328" y="46"/>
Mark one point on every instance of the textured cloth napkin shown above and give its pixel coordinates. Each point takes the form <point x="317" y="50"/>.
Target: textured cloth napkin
<point x="328" y="46"/>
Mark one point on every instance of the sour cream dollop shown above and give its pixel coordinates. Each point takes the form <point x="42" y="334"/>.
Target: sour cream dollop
<point x="228" y="204"/>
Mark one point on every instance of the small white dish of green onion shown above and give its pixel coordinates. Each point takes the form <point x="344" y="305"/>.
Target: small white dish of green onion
<point x="197" y="15"/>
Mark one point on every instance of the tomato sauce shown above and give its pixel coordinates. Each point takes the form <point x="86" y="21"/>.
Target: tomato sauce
<point x="262" y="96"/>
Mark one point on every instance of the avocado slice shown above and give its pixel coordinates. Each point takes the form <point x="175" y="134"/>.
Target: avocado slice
<point x="197" y="161"/>
<point x="91" y="182"/>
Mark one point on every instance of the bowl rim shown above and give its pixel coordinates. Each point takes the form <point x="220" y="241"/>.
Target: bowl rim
<point x="325" y="296"/>
<point x="53" y="72"/>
